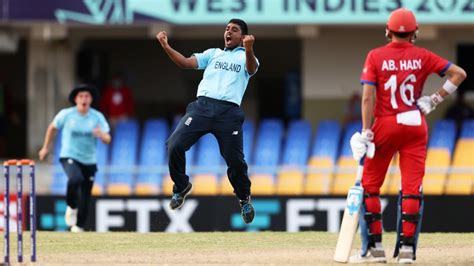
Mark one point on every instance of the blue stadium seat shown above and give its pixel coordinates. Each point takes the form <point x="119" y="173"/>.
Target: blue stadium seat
<point x="124" y="153"/>
<point x="152" y="156"/>
<point x="298" y="138"/>
<point x="350" y="129"/>
<point x="249" y="132"/>
<point x="268" y="146"/>
<point x="467" y="131"/>
<point x="102" y="162"/>
<point x="326" y="140"/>
<point x="208" y="158"/>
<point x="443" y="135"/>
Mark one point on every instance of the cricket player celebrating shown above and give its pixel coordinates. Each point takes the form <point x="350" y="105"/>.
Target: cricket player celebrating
<point x="217" y="111"/>
<point x="393" y="111"/>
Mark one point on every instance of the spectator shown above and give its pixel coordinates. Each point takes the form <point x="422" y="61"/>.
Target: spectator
<point x="117" y="102"/>
<point x="353" y="111"/>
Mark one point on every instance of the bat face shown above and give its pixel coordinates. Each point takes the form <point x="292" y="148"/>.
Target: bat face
<point x="349" y="224"/>
<point x="350" y="220"/>
<point x="354" y="199"/>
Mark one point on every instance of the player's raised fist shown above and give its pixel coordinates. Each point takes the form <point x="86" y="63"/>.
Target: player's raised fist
<point x="248" y="41"/>
<point x="162" y="37"/>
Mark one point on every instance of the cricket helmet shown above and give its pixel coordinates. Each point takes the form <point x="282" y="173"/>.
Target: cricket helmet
<point x="402" y="20"/>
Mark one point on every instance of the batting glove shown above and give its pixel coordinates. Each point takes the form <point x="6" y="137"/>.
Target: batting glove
<point x="362" y="144"/>
<point x="427" y="104"/>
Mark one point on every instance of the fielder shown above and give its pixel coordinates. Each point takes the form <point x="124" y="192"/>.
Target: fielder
<point x="393" y="118"/>
<point x="80" y="126"/>
<point x="216" y="110"/>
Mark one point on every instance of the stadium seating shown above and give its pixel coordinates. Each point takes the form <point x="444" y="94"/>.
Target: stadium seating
<point x="249" y="133"/>
<point x="167" y="186"/>
<point x="295" y="157"/>
<point x="208" y="166"/>
<point x="440" y="148"/>
<point x="123" y="158"/>
<point x="225" y="188"/>
<point x="347" y="166"/>
<point x="461" y="178"/>
<point x="291" y="164"/>
<point x="267" y="156"/>
<point x="323" y="158"/>
<point x="205" y="184"/>
<point x="152" y="157"/>
<point x="100" y="180"/>
<point x="209" y="159"/>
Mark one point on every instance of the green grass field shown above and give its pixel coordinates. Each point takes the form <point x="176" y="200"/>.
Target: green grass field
<point x="310" y="248"/>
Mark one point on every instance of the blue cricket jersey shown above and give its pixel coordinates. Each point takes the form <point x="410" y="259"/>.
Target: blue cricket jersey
<point x="225" y="75"/>
<point x="77" y="140"/>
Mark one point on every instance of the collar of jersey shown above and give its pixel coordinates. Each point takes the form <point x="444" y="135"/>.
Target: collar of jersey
<point x="400" y="44"/>
<point x="236" y="48"/>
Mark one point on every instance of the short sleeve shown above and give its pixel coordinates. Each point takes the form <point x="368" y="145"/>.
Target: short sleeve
<point x="258" y="65"/>
<point x="104" y="126"/>
<point x="437" y="64"/>
<point x="58" y="121"/>
<point x="204" y="58"/>
<point x="369" y="72"/>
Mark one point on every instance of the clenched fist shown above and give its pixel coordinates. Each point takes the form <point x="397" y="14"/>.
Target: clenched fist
<point x="248" y="41"/>
<point x="162" y="37"/>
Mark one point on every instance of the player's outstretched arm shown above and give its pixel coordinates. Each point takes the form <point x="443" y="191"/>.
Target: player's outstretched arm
<point x="50" y="134"/>
<point x="250" y="60"/>
<point x="175" y="56"/>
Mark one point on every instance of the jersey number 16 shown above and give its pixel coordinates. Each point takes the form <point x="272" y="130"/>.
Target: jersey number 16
<point x="405" y="87"/>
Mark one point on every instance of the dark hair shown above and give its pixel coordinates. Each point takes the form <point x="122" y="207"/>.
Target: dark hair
<point x="83" y="87"/>
<point x="402" y="34"/>
<point x="241" y="23"/>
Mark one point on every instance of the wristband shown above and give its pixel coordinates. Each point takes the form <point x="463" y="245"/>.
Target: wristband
<point x="368" y="133"/>
<point x="449" y="87"/>
<point x="436" y="98"/>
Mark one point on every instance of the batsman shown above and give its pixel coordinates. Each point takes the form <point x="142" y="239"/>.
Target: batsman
<point x="216" y="110"/>
<point x="393" y="118"/>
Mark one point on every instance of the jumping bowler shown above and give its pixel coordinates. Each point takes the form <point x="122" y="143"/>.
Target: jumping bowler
<point x="216" y="111"/>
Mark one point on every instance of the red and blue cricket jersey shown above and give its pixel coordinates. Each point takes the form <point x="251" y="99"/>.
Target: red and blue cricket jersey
<point x="399" y="71"/>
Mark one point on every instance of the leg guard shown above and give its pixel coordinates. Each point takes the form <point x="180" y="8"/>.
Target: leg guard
<point x="407" y="219"/>
<point x="364" y="232"/>
<point x="370" y="220"/>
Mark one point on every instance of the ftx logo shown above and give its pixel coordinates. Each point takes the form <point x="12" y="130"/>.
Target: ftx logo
<point x="263" y="211"/>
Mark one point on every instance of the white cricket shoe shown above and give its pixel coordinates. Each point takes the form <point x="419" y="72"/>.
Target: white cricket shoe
<point x="374" y="255"/>
<point x="406" y="255"/>
<point x="77" y="229"/>
<point x="70" y="216"/>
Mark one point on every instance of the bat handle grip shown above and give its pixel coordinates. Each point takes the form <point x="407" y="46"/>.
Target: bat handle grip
<point x="360" y="170"/>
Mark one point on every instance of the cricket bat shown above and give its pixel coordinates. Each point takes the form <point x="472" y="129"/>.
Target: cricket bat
<point x="350" y="220"/>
